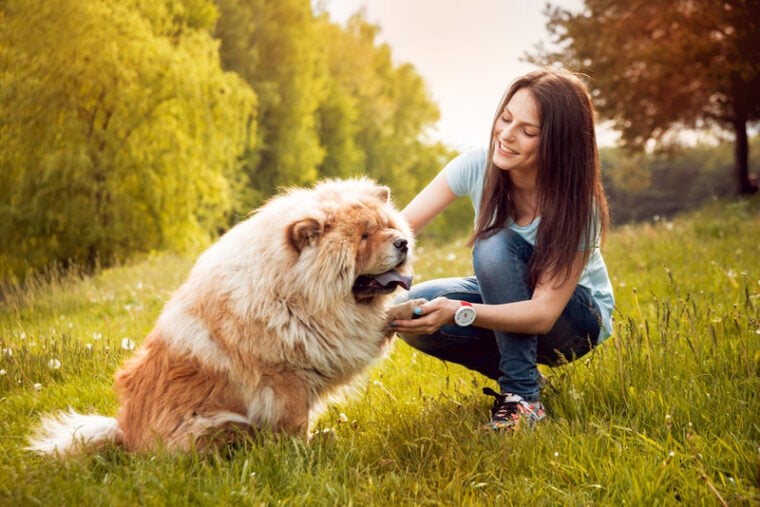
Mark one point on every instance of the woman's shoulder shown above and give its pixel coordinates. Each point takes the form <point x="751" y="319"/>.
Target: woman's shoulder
<point x="474" y="156"/>
<point x="465" y="172"/>
<point x="472" y="160"/>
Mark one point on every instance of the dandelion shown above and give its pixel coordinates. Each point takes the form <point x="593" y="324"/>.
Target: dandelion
<point x="54" y="364"/>
<point x="22" y="335"/>
<point x="3" y="373"/>
<point x="668" y="421"/>
<point x="672" y="454"/>
<point x="342" y="418"/>
<point x="38" y="387"/>
<point x="88" y="347"/>
<point x="556" y="454"/>
<point x="127" y="344"/>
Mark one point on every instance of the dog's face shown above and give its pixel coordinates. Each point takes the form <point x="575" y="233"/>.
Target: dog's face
<point x="359" y="236"/>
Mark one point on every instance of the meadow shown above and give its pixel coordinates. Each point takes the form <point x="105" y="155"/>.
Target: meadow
<point x="666" y="412"/>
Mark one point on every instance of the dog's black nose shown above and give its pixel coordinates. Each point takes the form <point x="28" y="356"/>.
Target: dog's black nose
<point x="401" y="244"/>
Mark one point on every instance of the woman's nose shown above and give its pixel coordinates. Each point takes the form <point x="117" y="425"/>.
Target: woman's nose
<point x="506" y="133"/>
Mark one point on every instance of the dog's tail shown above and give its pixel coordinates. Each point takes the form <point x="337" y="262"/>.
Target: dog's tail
<point x="66" y="432"/>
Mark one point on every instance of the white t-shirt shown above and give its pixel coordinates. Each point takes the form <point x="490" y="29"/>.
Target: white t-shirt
<point x="465" y="175"/>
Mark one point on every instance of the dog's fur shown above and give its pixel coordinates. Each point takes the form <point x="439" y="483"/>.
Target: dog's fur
<point x="267" y="326"/>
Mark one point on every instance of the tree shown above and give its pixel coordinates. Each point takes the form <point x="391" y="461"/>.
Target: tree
<point x="331" y="101"/>
<point x="272" y="45"/>
<point x="656" y="67"/>
<point x="381" y="111"/>
<point x="120" y="131"/>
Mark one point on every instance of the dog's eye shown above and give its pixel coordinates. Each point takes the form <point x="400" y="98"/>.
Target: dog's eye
<point x="365" y="236"/>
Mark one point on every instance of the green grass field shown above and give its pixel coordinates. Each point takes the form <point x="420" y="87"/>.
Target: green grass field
<point x="666" y="412"/>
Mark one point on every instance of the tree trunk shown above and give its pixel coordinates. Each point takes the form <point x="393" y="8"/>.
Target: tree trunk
<point x="745" y="184"/>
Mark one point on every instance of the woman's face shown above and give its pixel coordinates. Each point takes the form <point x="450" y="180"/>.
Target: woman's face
<point x="517" y="134"/>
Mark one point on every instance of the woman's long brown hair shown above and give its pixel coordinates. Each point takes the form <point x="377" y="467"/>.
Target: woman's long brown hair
<point x="571" y="200"/>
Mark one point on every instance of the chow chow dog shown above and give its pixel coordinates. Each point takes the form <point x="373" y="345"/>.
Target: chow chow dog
<point x="287" y="308"/>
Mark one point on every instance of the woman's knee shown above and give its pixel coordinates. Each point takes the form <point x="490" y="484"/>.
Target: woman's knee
<point x="504" y="248"/>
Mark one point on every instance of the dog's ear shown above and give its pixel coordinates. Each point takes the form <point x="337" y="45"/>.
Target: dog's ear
<point x="305" y="232"/>
<point x="383" y="193"/>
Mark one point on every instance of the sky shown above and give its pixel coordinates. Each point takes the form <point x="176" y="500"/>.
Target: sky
<point x="468" y="51"/>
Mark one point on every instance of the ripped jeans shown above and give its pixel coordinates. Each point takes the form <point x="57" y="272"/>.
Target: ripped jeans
<point x="501" y="268"/>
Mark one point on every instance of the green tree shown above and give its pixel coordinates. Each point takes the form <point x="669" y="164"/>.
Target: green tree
<point x="384" y="110"/>
<point x="272" y="44"/>
<point x="120" y="132"/>
<point x="331" y="101"/>
<point x="656" y="67"/>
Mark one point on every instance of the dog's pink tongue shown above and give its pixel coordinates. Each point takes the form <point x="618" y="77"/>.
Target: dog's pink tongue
<point x="394" y="276"/>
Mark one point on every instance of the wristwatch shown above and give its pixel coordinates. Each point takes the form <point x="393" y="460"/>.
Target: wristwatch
<point x="465" y="314"/>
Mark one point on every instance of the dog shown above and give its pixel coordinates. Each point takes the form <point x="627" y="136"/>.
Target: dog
<point x="287" y="309"/>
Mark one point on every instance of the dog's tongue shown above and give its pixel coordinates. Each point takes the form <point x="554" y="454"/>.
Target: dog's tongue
<point x="393" y="276"/>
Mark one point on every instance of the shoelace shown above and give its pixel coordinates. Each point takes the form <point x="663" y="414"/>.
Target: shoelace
<point x="502" y="409"/>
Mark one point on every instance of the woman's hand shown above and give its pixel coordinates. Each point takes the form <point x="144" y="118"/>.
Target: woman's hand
<point x="432" y="315"/>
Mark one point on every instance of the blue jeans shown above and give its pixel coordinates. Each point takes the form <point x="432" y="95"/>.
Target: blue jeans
<point x="501" y="268"/>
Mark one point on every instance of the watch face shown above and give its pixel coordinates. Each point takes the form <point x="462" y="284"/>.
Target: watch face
<point x="464" y="316"/>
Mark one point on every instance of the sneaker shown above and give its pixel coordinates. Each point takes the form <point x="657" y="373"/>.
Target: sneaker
<point x="510" y="409"/>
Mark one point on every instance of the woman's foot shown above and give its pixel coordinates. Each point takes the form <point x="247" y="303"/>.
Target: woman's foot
<point x="509" y="410"/>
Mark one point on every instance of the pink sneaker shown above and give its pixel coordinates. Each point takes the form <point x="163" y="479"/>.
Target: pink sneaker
<point x="510" y="409"/>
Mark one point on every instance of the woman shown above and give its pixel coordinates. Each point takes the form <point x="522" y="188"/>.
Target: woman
<point x="541" y="293"/>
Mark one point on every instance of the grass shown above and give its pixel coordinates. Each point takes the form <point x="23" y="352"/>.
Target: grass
<point x="666" y="412"/>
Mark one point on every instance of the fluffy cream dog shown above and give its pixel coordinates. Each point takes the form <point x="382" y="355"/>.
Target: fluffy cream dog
<point x="284" y="310"/>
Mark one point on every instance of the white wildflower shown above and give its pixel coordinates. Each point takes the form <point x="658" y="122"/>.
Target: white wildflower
<point x="97" y="336"/>
<point x="54" y="364"/>
<point x="672" y="454"/>
<point x="127" y="344"/>
<point x="8" y="352"/>
<point x="342" y="418"/>
<point x="38" y="387"/>
<point x="451" y="257"/>
<point x="3" y="372"/>
<point x="22" y="335"/>
<point x="88" y="346"/>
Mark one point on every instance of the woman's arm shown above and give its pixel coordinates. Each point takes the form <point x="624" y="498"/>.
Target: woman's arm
<point x="534" y="316"/>
<point x="428" y="203"/>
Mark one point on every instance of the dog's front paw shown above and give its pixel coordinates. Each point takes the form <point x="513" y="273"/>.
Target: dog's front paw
<point x="404" y="311"/>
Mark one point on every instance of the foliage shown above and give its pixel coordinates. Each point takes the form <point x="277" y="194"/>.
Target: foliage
<point x="332" y="102"/>
<point x="129" y="128"/>
<point x="273" y="46"/>
<point x="664" y="412"/>
<point x="656" y="67"/>
<point x="651" y="185"/>
<point x="120" y="132"/>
